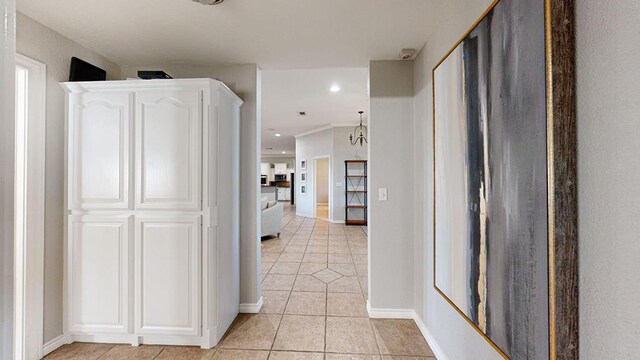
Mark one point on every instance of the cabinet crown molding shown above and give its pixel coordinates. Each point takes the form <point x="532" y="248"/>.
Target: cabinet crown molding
<point x="147" y="85"/>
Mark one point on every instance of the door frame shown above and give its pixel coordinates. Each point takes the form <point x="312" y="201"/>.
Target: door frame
<point x="329" y="183"/>
<point x="7" y="155"/>
<point x="29" y="249"/>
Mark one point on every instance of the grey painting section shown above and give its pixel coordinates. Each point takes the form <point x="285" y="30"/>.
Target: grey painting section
<point x="491" y="178"/>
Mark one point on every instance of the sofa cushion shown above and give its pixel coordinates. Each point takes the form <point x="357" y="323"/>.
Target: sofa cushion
<point x="264" y="203"/>
<point x="272" y="204"/>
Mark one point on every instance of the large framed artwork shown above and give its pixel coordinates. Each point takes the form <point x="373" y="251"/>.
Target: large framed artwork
<point x="505" y="212"/>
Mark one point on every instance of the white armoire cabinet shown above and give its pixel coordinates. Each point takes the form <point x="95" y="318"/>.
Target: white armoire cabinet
<point x="152" y="253"/>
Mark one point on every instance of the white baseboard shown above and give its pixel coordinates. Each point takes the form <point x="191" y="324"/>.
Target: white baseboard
<point x="409" y="314"/>
<point x="337" y="221"/>
<point x="252" y="308"/>
<point x="390" y="313"/>
<point x="433" y="344"/>
<point x="52" y="345"/>
<point x="136" y="340"/>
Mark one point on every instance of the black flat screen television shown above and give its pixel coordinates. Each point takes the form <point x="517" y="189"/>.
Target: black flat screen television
<point x="83" y="71"/>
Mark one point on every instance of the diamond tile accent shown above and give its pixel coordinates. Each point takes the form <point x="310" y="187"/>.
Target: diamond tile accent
<point x="327" y="275"/>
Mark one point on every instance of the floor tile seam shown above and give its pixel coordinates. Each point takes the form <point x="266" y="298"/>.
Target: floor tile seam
<point x="284" y="310"/>
<point x="278" y="328"/>
<point x="289" y="222"/>
<point x="375" y="337"/>
<point x="326" y="311"/>
<point x="105" y="353"/>
<point x="161" y="351"/>
<point x="213" y="353"/>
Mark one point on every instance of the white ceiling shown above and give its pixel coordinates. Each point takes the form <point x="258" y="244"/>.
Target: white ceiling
<point x="335" y="39"/>
<point x="287" y="92"/>
<point x="271" y="33"/>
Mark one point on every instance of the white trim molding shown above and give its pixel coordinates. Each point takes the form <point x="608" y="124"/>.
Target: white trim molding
<point x="390" y="313"/>
<point x="53" y="345"/>
<point x="252" y="308"/>
<point x="327" y="127"/>
<point x="330" y="126"/>
<point x="7" y="156"/>
<point x="29" y="207"/>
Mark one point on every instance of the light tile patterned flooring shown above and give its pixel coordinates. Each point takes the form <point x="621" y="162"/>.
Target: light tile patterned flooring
<point x="314" y="281"/>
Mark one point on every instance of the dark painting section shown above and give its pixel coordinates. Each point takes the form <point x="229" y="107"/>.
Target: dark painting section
<point x="475" y="173"/>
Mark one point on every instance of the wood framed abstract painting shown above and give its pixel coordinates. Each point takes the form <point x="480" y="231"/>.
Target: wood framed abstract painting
<point x="505" y="212"/>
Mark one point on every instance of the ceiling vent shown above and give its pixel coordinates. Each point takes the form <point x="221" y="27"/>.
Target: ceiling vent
<point x="302" y="113"/>
<point x="209" y="2"/>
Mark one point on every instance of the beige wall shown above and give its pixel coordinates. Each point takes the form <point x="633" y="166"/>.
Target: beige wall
<point x="608" y="89"/>
<point x="391" y="154"/>
<point x="45" y="45"/>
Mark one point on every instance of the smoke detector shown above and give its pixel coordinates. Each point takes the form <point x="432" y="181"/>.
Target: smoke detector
<point x="408" y="54"/>
<point x="209" y="2"/>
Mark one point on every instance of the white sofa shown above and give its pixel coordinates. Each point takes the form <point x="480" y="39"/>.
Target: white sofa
<point x="271" y="217"/>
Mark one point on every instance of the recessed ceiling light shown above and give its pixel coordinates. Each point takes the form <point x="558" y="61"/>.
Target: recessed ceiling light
<point x="278" y="135"/>
<point x="284" y="152"/>
<point x="335" y="88"/>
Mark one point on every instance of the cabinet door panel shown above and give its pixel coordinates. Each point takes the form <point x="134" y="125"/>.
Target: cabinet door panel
<point x="99" y="274"/>
<point x="168" y="275"/>
<point x="99" y="151"/>
<point x="168" y="150"/>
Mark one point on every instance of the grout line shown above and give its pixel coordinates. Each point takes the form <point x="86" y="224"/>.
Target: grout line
<point x="285" y="306"/>
<point x="161" y="351"/>
<point x="105" y="353"/>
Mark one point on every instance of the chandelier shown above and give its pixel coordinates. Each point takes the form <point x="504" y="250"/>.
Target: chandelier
<point x="361" y="130"/>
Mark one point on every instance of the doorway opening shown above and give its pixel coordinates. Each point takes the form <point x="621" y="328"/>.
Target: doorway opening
<point x="321" y="186"/>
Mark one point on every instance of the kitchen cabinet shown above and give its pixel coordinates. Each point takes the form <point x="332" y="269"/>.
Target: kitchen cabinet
<point x="284" y="194"/>
<point x="281" y="169"/>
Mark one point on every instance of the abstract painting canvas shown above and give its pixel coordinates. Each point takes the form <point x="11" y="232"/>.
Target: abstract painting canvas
<point x="491" y="179"/>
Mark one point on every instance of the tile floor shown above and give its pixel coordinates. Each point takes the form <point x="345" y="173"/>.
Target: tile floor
<point x="314" y="280"/>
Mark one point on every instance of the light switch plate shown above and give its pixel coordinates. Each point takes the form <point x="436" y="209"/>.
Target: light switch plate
<point x="382" y="194"/>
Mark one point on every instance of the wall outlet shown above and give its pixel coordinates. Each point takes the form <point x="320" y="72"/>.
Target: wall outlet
<point x="382" y="194"/>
